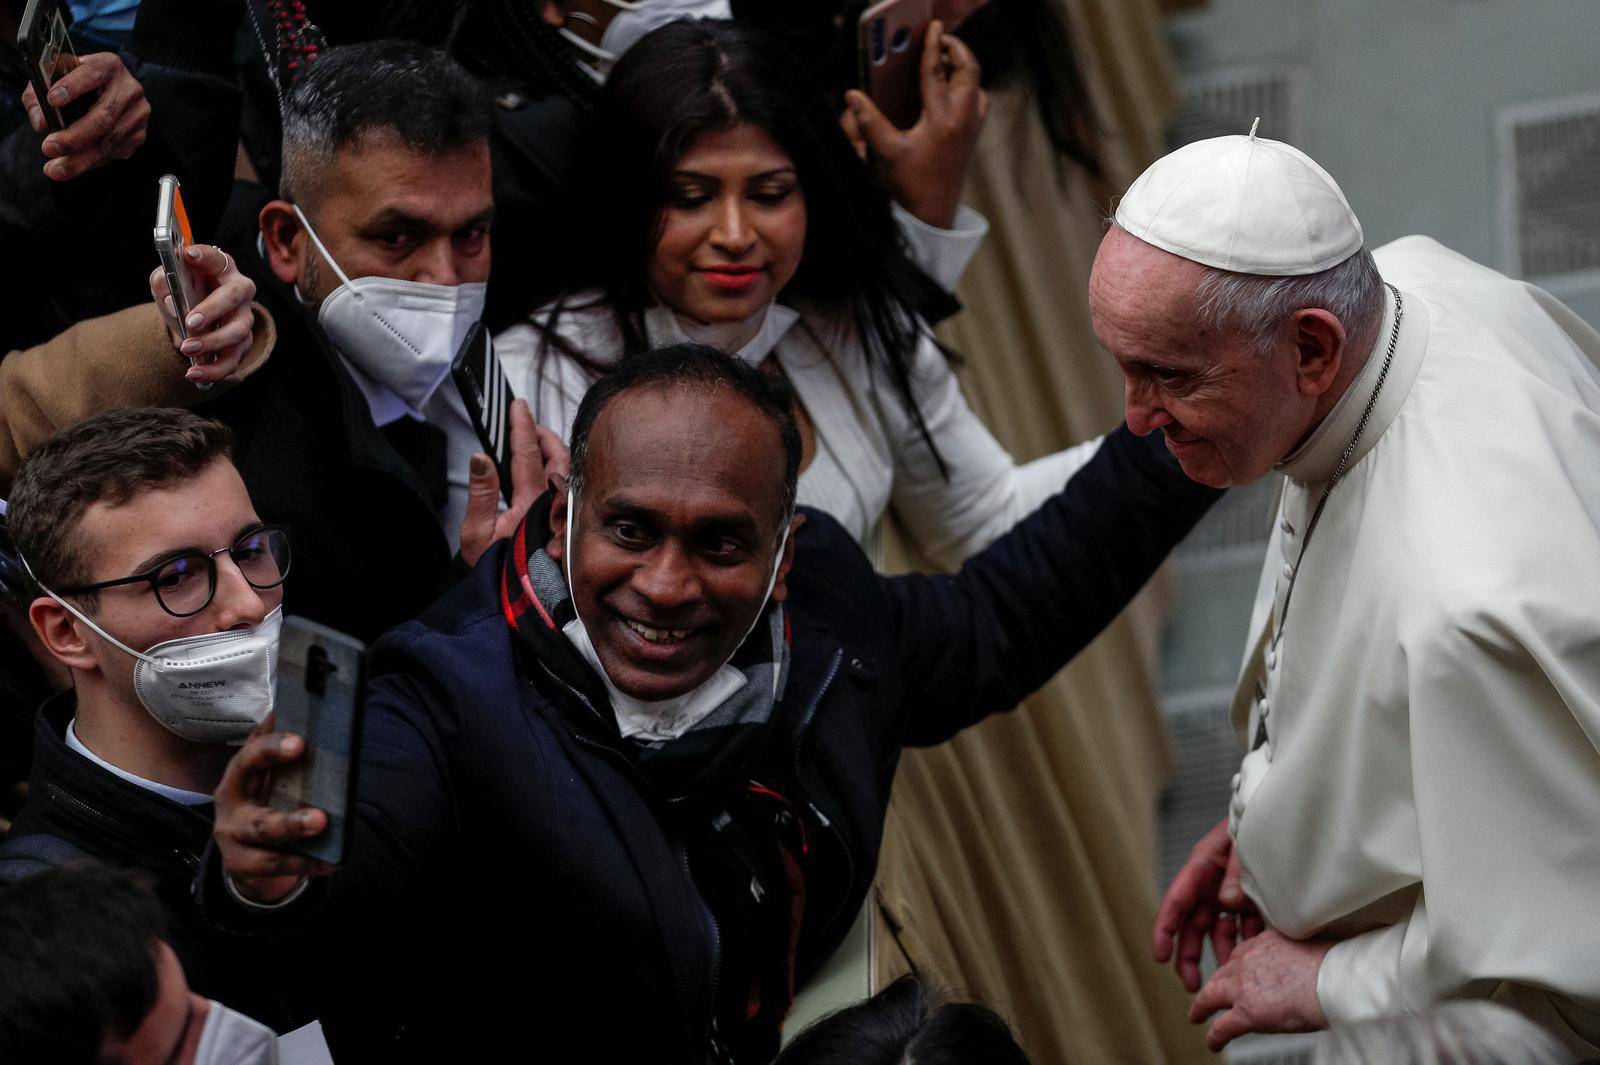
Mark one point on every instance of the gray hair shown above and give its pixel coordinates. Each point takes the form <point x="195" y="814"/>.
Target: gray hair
<point x="416" y="93"/>
<point x="1259" y="306"/>
<point x="1454" y="1033"/>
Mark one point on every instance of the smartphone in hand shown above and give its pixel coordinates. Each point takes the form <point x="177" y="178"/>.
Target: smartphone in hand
<point x="172" y="235"/>
<point x="321" y="674"/>
<point x="48" y="53"/>
<point x="481" y="380"/>
<point x="889" y="43"/>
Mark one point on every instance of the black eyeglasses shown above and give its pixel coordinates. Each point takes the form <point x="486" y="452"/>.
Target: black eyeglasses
<point x="262" y="556"/>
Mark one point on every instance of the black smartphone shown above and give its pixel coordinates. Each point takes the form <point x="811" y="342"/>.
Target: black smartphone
<point x="481" y="380"/>
<point x="321" y="674"/>
<point x="48" y="54"/>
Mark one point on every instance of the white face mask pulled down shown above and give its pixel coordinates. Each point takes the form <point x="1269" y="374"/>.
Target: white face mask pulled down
<point x="662" y="719"/>
<point x="401" y="334"/>
<point x="231" y="1038"/>
<point x="632" y="21"/>
<point x="212" y="688"/>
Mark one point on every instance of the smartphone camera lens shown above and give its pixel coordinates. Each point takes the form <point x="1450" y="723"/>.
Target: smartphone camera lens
<point x="902" y="39"/>
<point x="876" y="34"/>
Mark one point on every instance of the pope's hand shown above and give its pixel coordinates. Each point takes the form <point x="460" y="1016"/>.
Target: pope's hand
<point x="220" y="325"/>
<point x="925" y="166"/>
<point x="1269" y="985"/>
<point x="537" y="455"/>
<point x="253" y="836"/>
<point x="1204" y="898"/>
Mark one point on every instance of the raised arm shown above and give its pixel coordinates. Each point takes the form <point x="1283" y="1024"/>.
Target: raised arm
<point x="982" y="492"/>
<point x="978" y="641"/>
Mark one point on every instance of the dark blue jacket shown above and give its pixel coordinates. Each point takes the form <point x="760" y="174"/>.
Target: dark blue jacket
<point x="511" y="881"/>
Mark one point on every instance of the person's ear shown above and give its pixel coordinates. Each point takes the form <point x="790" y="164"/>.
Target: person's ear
<point x="1319" y="341"/>
<point x="780" y="587"/>
<point x="554" y="12"/>
<point x="284" y="237"/>
<point x="557" y="547"/>
<point x="61" y="634"/>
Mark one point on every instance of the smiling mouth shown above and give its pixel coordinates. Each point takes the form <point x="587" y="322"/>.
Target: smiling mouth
<point x="661" y="636"/>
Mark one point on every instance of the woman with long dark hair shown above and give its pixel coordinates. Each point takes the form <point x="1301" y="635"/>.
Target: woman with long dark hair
<point x="722" y="203"/>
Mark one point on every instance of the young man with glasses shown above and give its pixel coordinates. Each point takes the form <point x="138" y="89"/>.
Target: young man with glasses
<point x="161" y="592"/>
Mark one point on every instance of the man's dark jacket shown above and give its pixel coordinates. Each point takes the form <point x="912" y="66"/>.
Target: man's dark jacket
<point x="111" y="820"/>
<point x="511" y="882"/>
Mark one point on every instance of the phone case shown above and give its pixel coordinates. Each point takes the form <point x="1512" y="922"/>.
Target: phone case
<point x="48" y="53"/>
<point x="321" y="674"/>
<point x="172" y="235"/>
<point x="481" y="380"/>
<point x="890" y="54"/>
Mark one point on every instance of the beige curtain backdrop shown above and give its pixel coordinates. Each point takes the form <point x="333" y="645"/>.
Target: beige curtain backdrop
<point x="1018" y="866"/>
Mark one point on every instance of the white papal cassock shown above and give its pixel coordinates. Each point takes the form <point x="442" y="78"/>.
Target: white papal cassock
<point x="1425" y="775"/>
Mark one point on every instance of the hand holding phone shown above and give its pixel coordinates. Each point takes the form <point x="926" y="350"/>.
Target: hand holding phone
<point x="924" y="164"/>
<point x="221" y="326"/>
<point x="481" y="380"/>
<point x="93" y="109"/>
<point x="49" y="54"/>
<point x="321" y="674"/>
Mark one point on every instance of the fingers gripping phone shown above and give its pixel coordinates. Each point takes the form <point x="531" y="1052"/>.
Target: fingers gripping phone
<point x="321" y="674"/>
<point x="48" y="51"/>
<point x="172" y="235"/>
<point x="481" y="380"/>
<point x="891" y="36"/>
<point x="889" y="52"/>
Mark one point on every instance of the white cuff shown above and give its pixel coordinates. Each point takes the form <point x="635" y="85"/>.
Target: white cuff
<point x="251" y="904"/>
<point x="1360" y="977"/>
<point x="943" y="254"/>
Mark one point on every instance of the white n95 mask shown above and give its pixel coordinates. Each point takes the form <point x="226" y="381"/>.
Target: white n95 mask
<point x="231" y="1038"/>
<point x="401" y="334"/>
<point x="212" y="688"/>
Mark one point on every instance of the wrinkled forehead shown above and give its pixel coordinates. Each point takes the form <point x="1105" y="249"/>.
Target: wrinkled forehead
<point x="688" y="447"/>
<point x="377" y="172"/>
<point x="1137" y="290"/>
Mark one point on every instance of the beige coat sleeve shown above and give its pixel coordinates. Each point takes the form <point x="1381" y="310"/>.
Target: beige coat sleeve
<point x="124" y="359"/>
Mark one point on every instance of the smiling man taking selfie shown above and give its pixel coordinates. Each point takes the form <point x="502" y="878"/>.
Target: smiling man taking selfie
<point x="642" y="755"/>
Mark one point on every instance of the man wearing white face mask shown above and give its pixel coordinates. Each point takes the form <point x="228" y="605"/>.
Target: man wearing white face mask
<point x="87" y="978"/>
<point x="161" y="591"/>
<point x="373" y="263"/>
<point x="626" y="783"/>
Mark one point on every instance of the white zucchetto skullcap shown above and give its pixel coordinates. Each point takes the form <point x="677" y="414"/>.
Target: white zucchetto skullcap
<point x="1245" y="204"/>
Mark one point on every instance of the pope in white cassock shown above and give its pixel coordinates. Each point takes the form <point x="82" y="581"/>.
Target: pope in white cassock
<point x="1418" y="814"/>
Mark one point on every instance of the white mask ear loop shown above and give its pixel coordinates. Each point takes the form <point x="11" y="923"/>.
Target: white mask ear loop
<point x="316" y="240"/>
<point x="75" y="612"/>
<point x="603" y="56"/>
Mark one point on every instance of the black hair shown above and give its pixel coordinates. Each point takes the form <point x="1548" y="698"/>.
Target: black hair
<point x="410" y="90"/>
<point x="77" y="962"/>
<point x="693" y="77"/>
<point x="905" y="1023"/>
<point x="700" y="366"/>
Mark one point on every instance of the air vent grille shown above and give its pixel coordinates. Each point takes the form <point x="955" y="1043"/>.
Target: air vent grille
<point x="1550" y="183"/>
<point x="1221" y="102"/>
